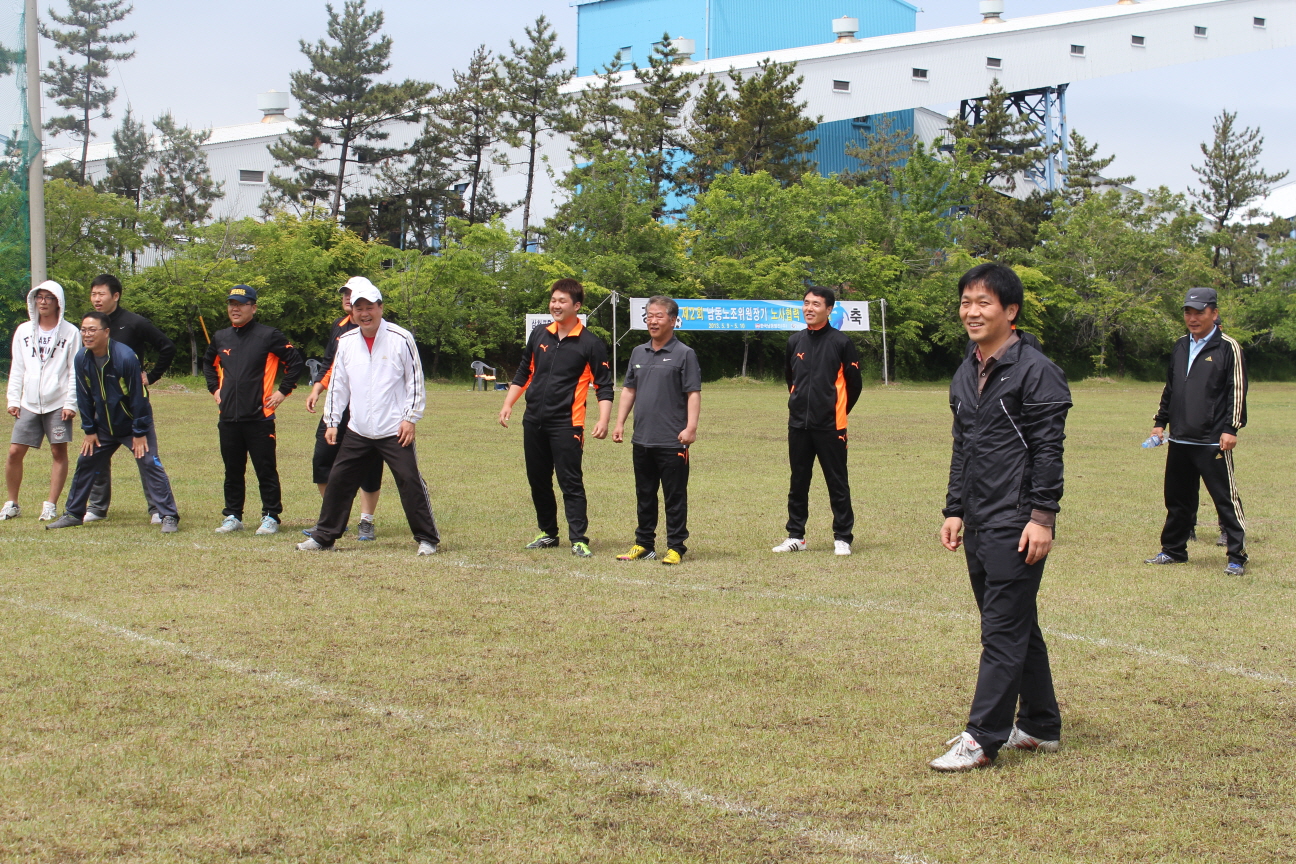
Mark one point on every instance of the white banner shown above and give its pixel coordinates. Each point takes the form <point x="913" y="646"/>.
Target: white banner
<point x="544" y="320"/>
<point x="751" y="315"/>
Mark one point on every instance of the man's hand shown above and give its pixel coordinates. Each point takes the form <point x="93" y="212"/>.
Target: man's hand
<point x="274" y="400"/>
<point x="330" y="435"/>
<point x="144" y="378"/>
<point x="216" y="396"/>
<point x="949" y="533"/>
<point x="139" y="446"/>
<point x="314" y="397"/>
<point x="600" y="429"/>
<point x="688" y="436"/>
<point x="90" y="443"/>
<point x="1158" y="432"/>
<point x="618" y="434"/>
<point x="1036" y="541"/>
<point x="1227" y="441"/>
<point x="405" y="437"/>
<point x="67" y="414"/>
<point x="15" y="411"/>
<point x="505" y="413"/>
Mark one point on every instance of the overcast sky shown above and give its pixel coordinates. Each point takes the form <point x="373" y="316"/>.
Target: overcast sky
<point x="205" y="60"/>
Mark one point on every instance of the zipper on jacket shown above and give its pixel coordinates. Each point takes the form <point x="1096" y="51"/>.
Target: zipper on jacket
<point x="103" y="391"/>
<point x="1014" y="425"/>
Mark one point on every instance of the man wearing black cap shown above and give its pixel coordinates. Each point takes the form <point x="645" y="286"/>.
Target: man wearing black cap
<point x="240" y="365"/>
<point x="1204" y="404"/>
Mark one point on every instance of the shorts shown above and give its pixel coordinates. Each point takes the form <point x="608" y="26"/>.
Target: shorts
<point x="31" y="428"/>
<point x="325" y="453"/>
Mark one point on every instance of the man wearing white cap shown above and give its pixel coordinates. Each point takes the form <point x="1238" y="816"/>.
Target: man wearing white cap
<point x="325" y="453"/>
<point x="378" y="377"/>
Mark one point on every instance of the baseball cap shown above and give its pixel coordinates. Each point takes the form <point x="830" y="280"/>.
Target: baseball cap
<point x="363" y="289"/>
<point x="242" y="293"/>
<point x="356" y="282"/>
<point x="1200" y="298"/>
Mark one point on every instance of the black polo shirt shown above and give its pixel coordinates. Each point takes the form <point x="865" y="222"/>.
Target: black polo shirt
<point x="662" y="381"/>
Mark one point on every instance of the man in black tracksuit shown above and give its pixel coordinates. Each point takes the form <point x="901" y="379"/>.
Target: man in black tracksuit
<point x="1204" y="405"/>
<point x="823" y="378"/>
<point x="137" y="333"/>
<point x="558" y="365"/>
<point x="240" y="365"/>
<point x="1009" y="403"/>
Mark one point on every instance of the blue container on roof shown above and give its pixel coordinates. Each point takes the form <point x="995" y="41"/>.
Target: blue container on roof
<point x="723" y="28"/>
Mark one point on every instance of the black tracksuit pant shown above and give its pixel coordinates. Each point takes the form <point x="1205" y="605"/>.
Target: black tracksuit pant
<point x="325" y="453"/>
<point x="354" y="463"/>
<point x="1014" y="659"/>
<point x="239" y="441"/>
<point x="101" y="491"/>
<point x="550" y="451"/>
<point x="830" y="448"/>
<point x="89" y="469"/>
<point x="1187" y="467"/>
<point x="667" y="467"/>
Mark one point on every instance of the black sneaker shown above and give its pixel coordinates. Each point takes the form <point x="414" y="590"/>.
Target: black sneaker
<point x="1234" y="569"/>
<point x="542" y="541"/>
<point x="1162" y="558"/>
<point x="366" y="531"/>
<point x="307" y="532"/>
<point x="1222" y="540"/>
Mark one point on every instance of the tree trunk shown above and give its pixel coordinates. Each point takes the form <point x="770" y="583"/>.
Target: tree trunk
<point x="436" y="359"/>
<point x="193" y="349"/>
<point x="341" y="177"/>
<point x="746" y="345"/>
<point x="530" y="187"/>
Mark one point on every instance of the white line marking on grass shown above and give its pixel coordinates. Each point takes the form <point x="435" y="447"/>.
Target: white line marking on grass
<point x="897" y="609"/>
<point x="854" y="844"/>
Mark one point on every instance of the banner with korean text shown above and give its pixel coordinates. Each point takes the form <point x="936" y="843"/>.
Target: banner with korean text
<point x="719" y="315"/>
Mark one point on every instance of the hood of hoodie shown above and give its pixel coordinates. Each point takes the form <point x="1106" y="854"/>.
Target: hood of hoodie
<point x="54" y="288"/>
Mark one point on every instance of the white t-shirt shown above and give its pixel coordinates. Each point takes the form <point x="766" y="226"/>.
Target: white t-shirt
<point x="45" y="342"/>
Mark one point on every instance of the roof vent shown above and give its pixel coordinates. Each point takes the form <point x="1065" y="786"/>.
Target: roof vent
<point x="273" y="106"/>
<point x="684" y="50"/>
<point x="845" y="29"/>
<point x="992" y="11"/>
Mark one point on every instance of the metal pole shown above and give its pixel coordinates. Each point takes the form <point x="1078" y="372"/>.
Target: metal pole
<point x="614" y="342"/>
<point x="36" y="171"/>
<point x="885" y="379"/>
<point x="706" y="50"/>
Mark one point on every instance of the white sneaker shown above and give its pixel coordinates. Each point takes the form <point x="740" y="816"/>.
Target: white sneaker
<point x="268" y="526"/>
<point x="93" y="517"/>
<point x="155" y="519"/>
<point x="841" y="547"/>
<point x="49" y="512"/>
<point x="311" y="546"/>
<point x="1019" y="740"/>
<point x="11" y="510"/>
<point x="791" y="545"/>
<point x="426" y="548"/>
<point x="229" y="525"/>
<point x="965" y="755"/>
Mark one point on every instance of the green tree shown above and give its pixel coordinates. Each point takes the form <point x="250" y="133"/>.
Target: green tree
<point x="470" y="116"/>
<point x="707" y="129"/>
<point x="880" y="153"/>
<point x="180" y="181"/>
<point x="87" y="231"/>
<point x="599" y="115"/>
<point x="345" y="114"/>
<point x="415" y="194"/>
<point x="77" y="76"/>
<point x="535" y="106"/>
<point x="654" y="132"/>
<point x="768" y="125"/>
<point x="126" y="168"/>
<point x="1083" y="175"/>
<point x="1231" y="179"/>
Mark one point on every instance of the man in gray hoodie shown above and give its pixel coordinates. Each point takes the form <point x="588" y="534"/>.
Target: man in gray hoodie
<point x="42" y="394"/>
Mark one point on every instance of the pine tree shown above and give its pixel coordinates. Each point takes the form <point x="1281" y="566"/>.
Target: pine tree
<point x="1231" y="177"/>
<point x="536" y="108"/>
<point x="416" y="194"/>
<point x="78" y="86"/>
<point x="132" y="150"/>
<point x="469" y="117"/>
<point x="1084" y="170"/>
<point x="767" y="132"/>
<point x="880" y="154"/>
<point x="181" y="181"/>
<point x="709" y="123"/>
<point x="1004" y="142"/>
<point x="654" y="132"/>
<point x="599" y="116"/>
<point x="344" y="113"/>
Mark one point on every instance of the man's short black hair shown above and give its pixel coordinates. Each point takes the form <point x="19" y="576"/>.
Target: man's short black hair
<point x="827" y="294"/>
<point x="671" y="307"/>
<point x="1000" y="281"/>
<point x="102" y="318"/>
<point x="111" y="281"/>
<point x="570" y="287"/>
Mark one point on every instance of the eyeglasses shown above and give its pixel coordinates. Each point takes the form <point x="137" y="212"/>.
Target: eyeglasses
<point x="46" y="298"/>
<point x="90" y="331"/>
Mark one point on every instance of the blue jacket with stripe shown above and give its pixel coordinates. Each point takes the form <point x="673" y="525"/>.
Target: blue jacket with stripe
<point x="112" y="400"/>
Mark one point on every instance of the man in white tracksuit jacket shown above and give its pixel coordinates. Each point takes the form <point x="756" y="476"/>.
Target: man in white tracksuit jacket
<point x="42" y="393"/>
<point x="377" y="374"/>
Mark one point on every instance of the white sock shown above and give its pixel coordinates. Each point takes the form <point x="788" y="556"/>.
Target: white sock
<point x="366" y="517"/>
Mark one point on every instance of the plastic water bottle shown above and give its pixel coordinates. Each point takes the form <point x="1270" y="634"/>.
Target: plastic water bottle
<point x="1153" y="441"/>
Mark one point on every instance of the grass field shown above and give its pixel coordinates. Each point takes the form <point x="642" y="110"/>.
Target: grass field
<point x="205" y="698"/>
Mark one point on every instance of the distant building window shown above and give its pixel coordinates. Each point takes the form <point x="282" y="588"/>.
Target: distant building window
<point x="1259" y="22"/>
<point x="841" y="86"/>
<point x="1199" y="31"/>
<point x="920" y="74"/>
<point x="1138" y="41"/>
<point x="994" y="63"/>
<point x="461" y="188"/>
<point x="1077" y="51"/>
<point x="627" y="55"/>
<point x="251" y="176"/>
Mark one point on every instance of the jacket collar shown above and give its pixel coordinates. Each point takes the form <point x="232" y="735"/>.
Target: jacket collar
<point x="575" y="331"/>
